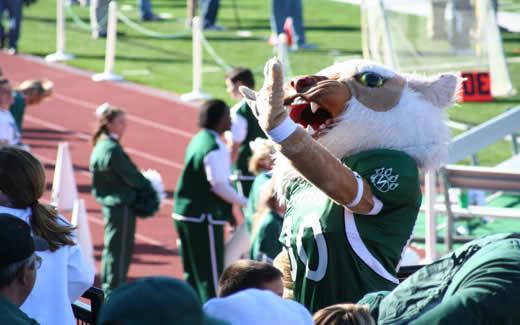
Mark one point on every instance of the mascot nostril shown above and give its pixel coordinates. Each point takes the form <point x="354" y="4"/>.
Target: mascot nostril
<point x="353" y="193"/>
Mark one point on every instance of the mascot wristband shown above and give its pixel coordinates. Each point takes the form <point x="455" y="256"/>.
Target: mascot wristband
<point x="282" y="131"/>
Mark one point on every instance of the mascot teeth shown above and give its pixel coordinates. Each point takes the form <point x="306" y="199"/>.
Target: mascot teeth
<point x="314" y="107"/>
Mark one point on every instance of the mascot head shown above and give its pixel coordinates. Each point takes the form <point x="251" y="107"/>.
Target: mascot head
<point x="373" y="107"/>
<point x="359" y="105"/>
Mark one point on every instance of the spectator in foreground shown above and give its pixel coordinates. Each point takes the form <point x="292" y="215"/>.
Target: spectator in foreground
<point x="18" y="266"/>
<point x="344" y="314"/>
<point x="244" y="125"/>
<point x="155" y="300"/>
<point x="259" y="307"/>
<point x="203" y="200"/>
<point x="478" y="283"/>
<point x="247" y="274"/>
<point x="65" y="274"/>
<point x="116" y="180"/>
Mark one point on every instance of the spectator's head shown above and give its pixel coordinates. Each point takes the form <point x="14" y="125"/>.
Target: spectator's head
<point x="35" y="91"/>
<point x="253" y="306"/>
<point x="344" y="314"/>
<point x="236" y="78"/>
<point x="110" y="120"/>
<point x="262" y="158"/>
<point x="214" y="115"/>
<point x="22" y="183"/>
<point x="18" y="263"/>
<point x="6" y="94"/>
<point x="154" y="300"/>
<point x="247" y="274"/>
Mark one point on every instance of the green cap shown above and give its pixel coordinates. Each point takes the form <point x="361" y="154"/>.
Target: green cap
<point x="155" y="300"/>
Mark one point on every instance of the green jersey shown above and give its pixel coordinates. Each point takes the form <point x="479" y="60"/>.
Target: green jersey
<point x="264" y="244"/>
<point x="252" y="200"/>
<point x="11" y="314"/>
<point x="194" y="199"/>
<point x="338" y="256"/>
<point x="244" y="152"/>
<point x="17" y="109"/>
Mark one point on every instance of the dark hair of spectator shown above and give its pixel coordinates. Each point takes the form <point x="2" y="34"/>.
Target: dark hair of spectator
<point x="106" y="118"/>
<point x="22" y="180"/>
<point x="3" y="81"/>
<point x="246" y="274"/>
<point x="211" y="113"/>
<point x="344" y="314"/>
<point x="244" y="75"/>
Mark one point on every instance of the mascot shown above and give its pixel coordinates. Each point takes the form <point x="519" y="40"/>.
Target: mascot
<point x="352" y="139"/>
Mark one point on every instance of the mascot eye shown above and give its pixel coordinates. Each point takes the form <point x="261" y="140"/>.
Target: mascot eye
<point x="371" y="79"/>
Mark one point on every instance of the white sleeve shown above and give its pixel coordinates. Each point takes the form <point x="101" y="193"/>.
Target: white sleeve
<point x="80" y="273"/>
<point x="238" y="128"/>
<point x="6" y="132"/>
<point x="217" y="168"/>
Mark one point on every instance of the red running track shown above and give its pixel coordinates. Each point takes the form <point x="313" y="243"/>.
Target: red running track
<point x="160" y="126"/>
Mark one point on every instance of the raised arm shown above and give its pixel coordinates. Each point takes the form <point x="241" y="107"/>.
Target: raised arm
<point x="313" y="161"/>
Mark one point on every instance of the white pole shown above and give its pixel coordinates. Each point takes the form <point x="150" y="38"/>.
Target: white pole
<point x="110" y="50"/>
<point x="430" y="192"/>
<point x="197" y="54"/>
<point x="196" y="93"/>
<point x="283" y="54"/>
<point x="60" y="54"/>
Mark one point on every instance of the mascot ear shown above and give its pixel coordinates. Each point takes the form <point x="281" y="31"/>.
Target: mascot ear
<point x="441" y="91"/>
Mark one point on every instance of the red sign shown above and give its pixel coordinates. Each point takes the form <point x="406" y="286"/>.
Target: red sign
<point x="476" y="87"/>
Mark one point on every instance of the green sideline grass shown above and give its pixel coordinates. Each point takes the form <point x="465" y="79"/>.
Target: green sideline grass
<point x="333" y="26"/>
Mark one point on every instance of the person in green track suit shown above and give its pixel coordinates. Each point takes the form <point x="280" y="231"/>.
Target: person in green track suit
<point x="478" y="283"/>
<point x="267" y="226"/>
<point x="244" y="126"/>
<point x="115" y="184"/>
<point x="203" y="200"/>
<point x="28" y="93"/>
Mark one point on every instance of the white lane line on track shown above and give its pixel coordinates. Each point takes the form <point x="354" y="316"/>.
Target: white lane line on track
<point x="84" y="136"/>
<point x="100" y="222"/>
<point x="133" y="118"/>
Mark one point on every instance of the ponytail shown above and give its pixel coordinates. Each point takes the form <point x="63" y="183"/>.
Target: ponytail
<point x="46" y="223"/>
<point x="106" y="116"/>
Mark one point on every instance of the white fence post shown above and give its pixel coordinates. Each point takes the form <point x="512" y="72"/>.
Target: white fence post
<point x="60" y="54"/>
<point x="110" y="51"/>
<point x="430" y="191"/>
<point x="196" y="92"/>
<point x="282" y="53"/>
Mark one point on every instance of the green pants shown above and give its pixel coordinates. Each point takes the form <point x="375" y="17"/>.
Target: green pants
<point x="202" y="252"/>
<point x="118" y="246"/>
<point x="484" y="291"/>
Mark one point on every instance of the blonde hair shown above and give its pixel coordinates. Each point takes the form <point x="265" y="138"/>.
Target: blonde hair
<point x="106" y="117"/>
<point x="38" y="87"/>
<point x="22" y="180"/>
<point x="282" y="263"/>
<point x="263" y="150"/>
<point x="344" y="314"/>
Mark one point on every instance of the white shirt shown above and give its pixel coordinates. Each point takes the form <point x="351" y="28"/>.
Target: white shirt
<point x="238" y="125"/>
<point x="62" y="278"/>
<point x="217" y="165"/>
<point x="8" y="129"/>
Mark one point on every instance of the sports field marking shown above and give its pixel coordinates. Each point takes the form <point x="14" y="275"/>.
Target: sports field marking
<point x="140" y="120"/>
<point x="84" y="136"/>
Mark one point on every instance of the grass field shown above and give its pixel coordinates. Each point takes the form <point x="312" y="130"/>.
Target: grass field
<point x="166" y="63"/>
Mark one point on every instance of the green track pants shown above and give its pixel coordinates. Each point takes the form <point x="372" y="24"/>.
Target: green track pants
<point x="202" y="252"/>
<point x="118" y="246"/>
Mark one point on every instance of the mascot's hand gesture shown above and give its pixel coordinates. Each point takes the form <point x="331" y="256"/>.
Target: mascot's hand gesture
<point x="267" y="105"/>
